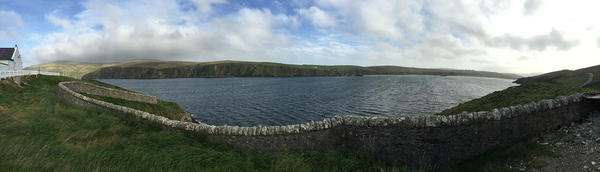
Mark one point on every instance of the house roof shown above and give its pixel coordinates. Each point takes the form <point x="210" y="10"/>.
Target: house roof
<point x="6" y="53"/>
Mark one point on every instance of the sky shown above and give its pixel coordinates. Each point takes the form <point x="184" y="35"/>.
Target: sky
<point x="514" y="36"/>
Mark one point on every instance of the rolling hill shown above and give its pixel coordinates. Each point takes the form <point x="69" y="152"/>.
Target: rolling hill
<point x="154" y="69"/>
<point x="69" y="68"/>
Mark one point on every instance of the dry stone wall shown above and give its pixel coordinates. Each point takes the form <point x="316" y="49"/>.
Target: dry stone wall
<point x="110" y="92"/>
<point x="412" y="140"/>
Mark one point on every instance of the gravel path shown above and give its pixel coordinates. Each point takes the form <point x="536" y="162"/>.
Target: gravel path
<point x="590" y="78"/>
<point x="577" y="147"/>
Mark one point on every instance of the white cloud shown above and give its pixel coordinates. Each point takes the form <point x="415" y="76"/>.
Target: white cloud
<point x="161" y="34"/>
<point x="317" y="16"/>
<point x="57" y="21"/>
<point x="539" y="42"/>
<point x="380" y="19"/>
<point x="474" y="34"/>
<point x="9" y="22"/>
<point x="531" y="6"/>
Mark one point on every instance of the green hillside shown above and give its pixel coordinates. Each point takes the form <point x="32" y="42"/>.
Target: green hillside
<point x="78" y="69"/>
<point x="567" y="77"/>
<point x="70" y="69"/>
<point x="545" y="86"/>
<point x="154" y="69"/>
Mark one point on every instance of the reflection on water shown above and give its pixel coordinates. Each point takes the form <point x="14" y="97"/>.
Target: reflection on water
<point x="282" y="101"/>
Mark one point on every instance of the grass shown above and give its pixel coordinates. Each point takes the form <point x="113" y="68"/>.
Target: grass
<point x="40" y="132"/>
<point x="162" y="108"/>
<point x="498" y="159"/>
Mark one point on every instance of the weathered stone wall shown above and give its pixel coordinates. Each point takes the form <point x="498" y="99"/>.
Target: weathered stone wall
<point x="109" y="92"/>
<point x="471" y="135"/>
<point x="413" y="140"/>
<point x="74" y="98"/>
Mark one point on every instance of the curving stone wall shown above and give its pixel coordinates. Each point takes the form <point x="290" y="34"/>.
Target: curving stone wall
<point x="413" y="140"/>
<point x="110" y="92"/>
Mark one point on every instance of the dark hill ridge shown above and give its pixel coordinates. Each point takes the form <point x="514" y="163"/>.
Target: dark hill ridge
<point x="154" y="69"/>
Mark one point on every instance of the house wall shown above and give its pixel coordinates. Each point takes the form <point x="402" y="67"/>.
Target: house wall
<point x="17" y="60"/>
<point x="11" y="65"/>
<point x="5" y="65"/>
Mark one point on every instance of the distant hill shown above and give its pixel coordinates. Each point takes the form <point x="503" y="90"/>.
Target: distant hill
<point x="155" y="69"/>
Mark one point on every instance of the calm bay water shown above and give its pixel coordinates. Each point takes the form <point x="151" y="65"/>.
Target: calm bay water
<point x="282" y="101"/>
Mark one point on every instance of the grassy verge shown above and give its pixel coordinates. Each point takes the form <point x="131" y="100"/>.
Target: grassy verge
<point x="40" y="132"/>
<point x="162" y="108"/>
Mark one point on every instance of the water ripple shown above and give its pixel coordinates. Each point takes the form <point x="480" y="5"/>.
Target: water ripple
<point x="282" y="101"/>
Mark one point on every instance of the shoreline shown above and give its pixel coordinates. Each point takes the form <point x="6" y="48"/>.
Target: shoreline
<point x="216" y="77"/>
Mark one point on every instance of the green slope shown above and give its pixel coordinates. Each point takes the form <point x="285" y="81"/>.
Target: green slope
<point x="544" y="86"/>
<point x="154" y="69"/>
<point x="78" y="69"/>
<point x="567" y="77"/>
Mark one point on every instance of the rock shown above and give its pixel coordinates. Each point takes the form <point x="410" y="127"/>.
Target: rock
<point x="186" y="117"/>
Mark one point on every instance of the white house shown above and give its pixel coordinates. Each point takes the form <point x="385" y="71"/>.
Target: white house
<point x="10" y="59"/>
